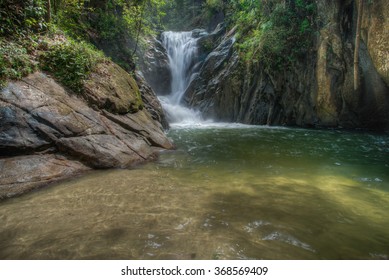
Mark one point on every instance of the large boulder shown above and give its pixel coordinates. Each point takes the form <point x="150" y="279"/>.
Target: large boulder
<point x="111" y="88"/>
<point x="57" y="134"/>
<point x="151" y="101"/>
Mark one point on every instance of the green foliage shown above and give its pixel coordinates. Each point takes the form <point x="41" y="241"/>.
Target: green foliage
<point x="70" y="17"/>
<point x="245" y="13"/>
<point x="249" y="45"/>
<point x="108" y="26"/>
<point x="71" y="62"/>
<point x="274" y="33"/>
<point x="113" y="18"/>
<point x="186" y="14"/>
<point x="15" y="62"/>
<point x="19" y="17"/>
<point x="103" y="21"/>
<point x="215" y="5"/>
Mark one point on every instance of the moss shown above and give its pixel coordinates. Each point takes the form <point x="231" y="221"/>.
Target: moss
<point x="206" y="44"/>
<point x="111" y="88"/>
<point x="136" y="104"/>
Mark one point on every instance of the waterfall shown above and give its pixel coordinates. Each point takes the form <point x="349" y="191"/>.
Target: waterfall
<point x="181" y="48"/>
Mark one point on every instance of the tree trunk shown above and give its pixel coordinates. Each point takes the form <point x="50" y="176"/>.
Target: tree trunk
<point x="48" y="11"/>
<point x="139" y="28"/>
<point x="357" y="43"/>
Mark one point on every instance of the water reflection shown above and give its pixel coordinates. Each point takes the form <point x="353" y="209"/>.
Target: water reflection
<point x="242" y="193"/>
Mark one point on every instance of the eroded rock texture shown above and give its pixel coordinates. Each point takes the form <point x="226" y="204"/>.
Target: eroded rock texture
<point x="47" y="133"/>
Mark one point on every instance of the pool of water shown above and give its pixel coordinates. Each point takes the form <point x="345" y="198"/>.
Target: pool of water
<point x="227" y="192"/>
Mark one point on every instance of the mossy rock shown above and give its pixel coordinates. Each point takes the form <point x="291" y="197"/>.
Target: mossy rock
<point x="111" y="88"/>
<point x="206" y="44"/>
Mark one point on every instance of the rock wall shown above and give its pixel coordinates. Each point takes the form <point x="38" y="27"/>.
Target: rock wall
<point x="316" y="91"/>
<point x="154" y="65"/>
<point x="47" y="133"/>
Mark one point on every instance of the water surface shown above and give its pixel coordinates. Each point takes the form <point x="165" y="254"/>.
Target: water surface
<point x="228" y="192"/>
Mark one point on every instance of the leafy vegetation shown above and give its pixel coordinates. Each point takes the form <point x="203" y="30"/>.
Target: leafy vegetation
<point x="71" y="62"/>
<point x="18" y="18"/>
<point x="273" y="32"/>
<point x="29" y="42"/>
<point x="185" y="14"/>
<point x="276" y="33"/>
<point x="115" y="26"/>
<point x="77" y="21"/>
<point x="15" y="62"/>
<point x="109" y="19"/>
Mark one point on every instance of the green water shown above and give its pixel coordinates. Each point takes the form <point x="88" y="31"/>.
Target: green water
<point x="228" y="192"/>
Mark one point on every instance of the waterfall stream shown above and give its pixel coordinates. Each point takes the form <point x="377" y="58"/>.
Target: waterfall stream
<point x="182" y="52"/>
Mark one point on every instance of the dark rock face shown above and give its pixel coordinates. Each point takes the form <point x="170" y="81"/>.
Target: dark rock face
<point x="63" y="134"/>
<point x="155" y="67"/>
<point x="316" y="91"/>
<point x="209" y="87"/>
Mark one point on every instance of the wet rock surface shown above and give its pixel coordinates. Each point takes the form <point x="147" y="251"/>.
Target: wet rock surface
<point x="155" y="68"/>
<point x="49" y="133"/>
<point x="21" y="174"/>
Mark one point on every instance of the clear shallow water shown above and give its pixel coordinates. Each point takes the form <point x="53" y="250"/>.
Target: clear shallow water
<point x="228" y="192"/>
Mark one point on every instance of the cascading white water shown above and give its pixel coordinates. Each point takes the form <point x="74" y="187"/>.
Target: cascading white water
<point x="181" y="48"/>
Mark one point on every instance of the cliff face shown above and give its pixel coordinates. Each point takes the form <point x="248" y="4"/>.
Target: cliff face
<point x="48" y="133"/>
<point x="315" y="91"/>
<point x="154" y="64"/>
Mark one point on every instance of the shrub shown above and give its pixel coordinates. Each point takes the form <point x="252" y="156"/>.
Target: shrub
<point x="15" y="62"/>
<point x="20" y="17"/>
<point x="283" y="35"/>
<point x="71" y="62"/>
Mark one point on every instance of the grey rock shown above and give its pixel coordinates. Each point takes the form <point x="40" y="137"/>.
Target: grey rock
<point x="22" y="174"/>
<point x="41" y="120"/>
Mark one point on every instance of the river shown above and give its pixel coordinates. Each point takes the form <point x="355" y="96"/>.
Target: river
<point x="227" y="192"/>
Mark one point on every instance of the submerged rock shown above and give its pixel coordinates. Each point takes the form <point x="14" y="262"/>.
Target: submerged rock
<point x="60" y="134"/>
<point x="25" y="173"/>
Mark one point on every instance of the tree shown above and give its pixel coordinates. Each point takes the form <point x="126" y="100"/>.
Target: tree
<point x="48" y="11"/>
<point x="357" y="44"/>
